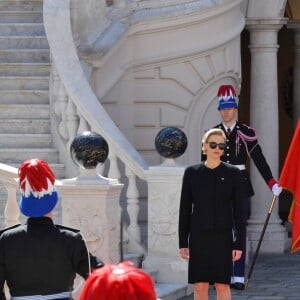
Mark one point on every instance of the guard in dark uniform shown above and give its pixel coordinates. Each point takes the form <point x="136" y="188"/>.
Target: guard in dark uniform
<point x="242" y="143"/>
<point x="39" y="260"/>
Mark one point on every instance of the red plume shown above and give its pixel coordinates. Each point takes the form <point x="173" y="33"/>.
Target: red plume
<point x="36" y="177"/>
<point x="226" y="91"/>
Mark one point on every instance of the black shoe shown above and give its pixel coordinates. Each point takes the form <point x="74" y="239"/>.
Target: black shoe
<point x="238" y="286"/>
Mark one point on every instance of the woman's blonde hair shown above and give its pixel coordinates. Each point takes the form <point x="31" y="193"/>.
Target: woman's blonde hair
<point x="209" y="133"/>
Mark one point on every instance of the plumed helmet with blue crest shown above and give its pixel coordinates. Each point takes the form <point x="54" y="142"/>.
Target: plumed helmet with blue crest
<point x="227" y="97"/>
<point x="38" y="193"/>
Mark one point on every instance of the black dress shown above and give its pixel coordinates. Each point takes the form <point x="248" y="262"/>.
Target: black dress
<point x="210" y="209"/>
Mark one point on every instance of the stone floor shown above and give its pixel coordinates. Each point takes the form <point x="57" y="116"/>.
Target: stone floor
<point x="275" y="276"/>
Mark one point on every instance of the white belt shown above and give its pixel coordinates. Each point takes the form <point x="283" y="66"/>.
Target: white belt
<point x="44" y="297"/>
<point x="241" y="167"/>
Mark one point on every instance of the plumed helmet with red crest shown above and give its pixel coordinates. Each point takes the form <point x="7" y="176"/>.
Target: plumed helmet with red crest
<point x="227" y="97"/>
<point x="38" y="193"/>
<point x="118" y="282"/>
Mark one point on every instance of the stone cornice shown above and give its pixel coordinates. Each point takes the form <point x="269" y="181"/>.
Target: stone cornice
<point x="121" y="35"/>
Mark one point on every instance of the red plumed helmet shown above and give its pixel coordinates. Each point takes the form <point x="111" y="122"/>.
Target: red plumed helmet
<point x="118" y="282"/>
<point x="227" y="97"/>
<point x="36" y="181"/>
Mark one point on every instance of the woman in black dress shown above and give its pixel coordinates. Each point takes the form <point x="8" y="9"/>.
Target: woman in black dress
<point x="210" y="219"/>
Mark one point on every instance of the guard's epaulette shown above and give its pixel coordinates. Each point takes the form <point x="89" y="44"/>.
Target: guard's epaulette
<point x="249" y="127"/>
<point x="8" y="228"/>
<point x="67" y="228"/>
<point x="250" y="131"/>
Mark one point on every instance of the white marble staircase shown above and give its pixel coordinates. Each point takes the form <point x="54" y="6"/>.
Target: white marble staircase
<point x="24" y="85"/>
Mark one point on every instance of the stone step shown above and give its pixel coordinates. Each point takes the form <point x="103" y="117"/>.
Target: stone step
<point x="170" y="291"/>
<point x="152" y="273"/>
<point x="23" y="42"/>
<point x="23" y="111"/>
<point x="21" y="16"/>
<point x="24" y="97"/>
<point x="22" y="29"/>
<point x="25" y="69"/>
<point x="24" y="55"/>
<point x="39" y="140"/>
<point x="135" y="258"/>
<point x="24" y="126"/>
<point x="24" y="83"/>
<point x="164" y="291"/>
<point x="21" y="5"/>
<point x="16" y="156"/>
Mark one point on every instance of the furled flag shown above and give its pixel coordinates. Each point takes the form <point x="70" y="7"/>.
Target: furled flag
<point x="290" y="180"/>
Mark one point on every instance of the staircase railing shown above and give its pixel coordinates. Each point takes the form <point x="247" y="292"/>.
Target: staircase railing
<point x="75" y="104"/>
<point x="77" y="109"/>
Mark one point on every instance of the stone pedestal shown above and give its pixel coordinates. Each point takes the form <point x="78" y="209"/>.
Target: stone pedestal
<point x="91" y="203"/>
<point x="164" y="189"/>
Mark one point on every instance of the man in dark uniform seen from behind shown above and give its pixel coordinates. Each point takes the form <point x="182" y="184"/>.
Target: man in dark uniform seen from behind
<point x="39" y="260"/>
<point x="241" y="143"/>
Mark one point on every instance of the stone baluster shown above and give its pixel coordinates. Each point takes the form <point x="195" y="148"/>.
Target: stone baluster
<point x="83" y="124"/>
<point x="11" y="211"/>
<point x="71" y="121"/>
<point x="62" y="100"/>
<point x="55" y="87"/>
<point x="133" y="207"/>
<point x="114" y="171"/>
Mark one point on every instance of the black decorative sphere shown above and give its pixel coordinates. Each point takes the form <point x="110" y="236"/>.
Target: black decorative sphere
<point x="171" y="142"/>
<point x="89" y="149"/>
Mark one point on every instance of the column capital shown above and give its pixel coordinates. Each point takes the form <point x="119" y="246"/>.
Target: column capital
<point x="294" y="24"/>
<point x="272" y="24"/>
<point x="264" y="33"/>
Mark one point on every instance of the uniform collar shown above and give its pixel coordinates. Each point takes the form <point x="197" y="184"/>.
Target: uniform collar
<point x="40" y="220"/>
<point x="231" y="128"/>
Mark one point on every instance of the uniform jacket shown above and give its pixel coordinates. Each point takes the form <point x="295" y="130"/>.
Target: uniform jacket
<point x="40" y="258"/>
<point x="211" y="202"/>
<point x="241" y="144"/>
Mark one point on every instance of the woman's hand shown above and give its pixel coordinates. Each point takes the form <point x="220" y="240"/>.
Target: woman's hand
<point x="236" y="255"/>
<point x="184" y="253"/>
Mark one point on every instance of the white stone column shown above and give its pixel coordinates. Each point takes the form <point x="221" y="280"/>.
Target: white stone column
<point x="264" y="118"/>
<point x="295" y="25"/>
<point x="164" y="190"/>
<point x="91" y="203"/>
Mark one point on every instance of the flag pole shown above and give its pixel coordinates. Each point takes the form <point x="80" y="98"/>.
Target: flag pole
<point x="260" y="241"/>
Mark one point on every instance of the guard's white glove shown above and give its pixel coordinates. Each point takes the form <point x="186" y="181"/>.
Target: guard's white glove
<point x="276" y="189"/>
